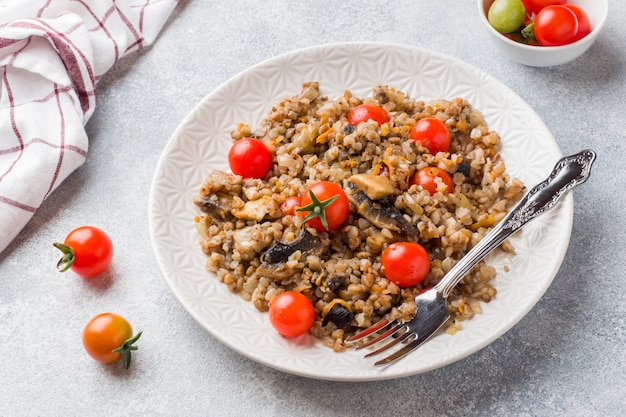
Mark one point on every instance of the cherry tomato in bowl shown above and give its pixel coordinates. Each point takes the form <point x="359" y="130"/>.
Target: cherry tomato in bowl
<point x="364" y="112"/>
<point x="523" y="47"/>
<point x="584" y="24"/>
<point x="555" y="26"/>
<point x="432" y="134"/>
<point x="291" y="313"/>
<point x="87" y="250"/>
<point x="506" y="16"/>
<point x="325" y="206"/>
<point x="406" y="263"/>
<point x="108" y="337"/>
<point x="426" y="177"/>
<point x="249" y="158"/>
<point x="534" y="6"/>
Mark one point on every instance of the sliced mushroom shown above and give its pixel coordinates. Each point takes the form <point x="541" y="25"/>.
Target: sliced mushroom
<point x="464" y="167"/>
<point x="214" y="205"/>
<point x="255" y="209"/>
<point x="336" y="281"/>
<point x="216" y="195"/>
<point x="383" y="214"/>
<point x="274" y="262"/>
<point x="251" y="240"/>
<point x="375" y="187"/>
<point x="337" y="312"/>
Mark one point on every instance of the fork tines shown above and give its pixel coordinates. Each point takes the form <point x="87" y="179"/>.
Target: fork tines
<point x="389" y="328"/>
<point x="375" y="328"/>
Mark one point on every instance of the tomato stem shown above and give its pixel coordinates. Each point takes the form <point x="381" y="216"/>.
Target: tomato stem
<point x="317" y="208"/>
<point x="126" y="349"/>
<point x="68" y="258"/>
<point x="529" y="31"/>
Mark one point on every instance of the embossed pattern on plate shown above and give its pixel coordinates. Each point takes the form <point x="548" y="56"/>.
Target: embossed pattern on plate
<point x="201" y="143"/>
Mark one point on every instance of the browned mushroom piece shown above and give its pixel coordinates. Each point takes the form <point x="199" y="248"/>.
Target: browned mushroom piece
<point x="383" y="214"/>
<point x="274" y="262"/>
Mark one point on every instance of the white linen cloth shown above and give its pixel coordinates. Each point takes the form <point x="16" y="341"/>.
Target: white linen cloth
<point x="52" y="54"/>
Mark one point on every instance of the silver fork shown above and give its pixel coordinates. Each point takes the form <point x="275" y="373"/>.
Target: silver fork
<point x="431" y="305"/>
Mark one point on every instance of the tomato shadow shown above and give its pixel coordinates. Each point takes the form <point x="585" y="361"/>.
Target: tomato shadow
<point x="102" y="282"/>
<point x="117" y="370"/>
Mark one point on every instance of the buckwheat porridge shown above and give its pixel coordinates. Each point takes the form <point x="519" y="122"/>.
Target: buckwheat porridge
<point x="260" y="249"/>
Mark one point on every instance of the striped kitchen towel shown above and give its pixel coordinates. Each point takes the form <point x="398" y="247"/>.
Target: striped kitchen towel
<point x="52" y="54"/>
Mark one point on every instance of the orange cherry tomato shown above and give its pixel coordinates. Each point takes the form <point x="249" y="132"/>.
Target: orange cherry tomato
<point x="365" y="112"/>
<point x="432" y="134"/>
<point x="426" y="178"/>
<point x="108" y="337"/>
<point x="406" y="263"/>
<point x="291" y="313"/>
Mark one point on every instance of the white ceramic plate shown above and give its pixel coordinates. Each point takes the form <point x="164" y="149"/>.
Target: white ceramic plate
<point x="201" y="143"/>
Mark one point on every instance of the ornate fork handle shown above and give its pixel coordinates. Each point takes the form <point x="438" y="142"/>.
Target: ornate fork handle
<point x="568" y="172"/>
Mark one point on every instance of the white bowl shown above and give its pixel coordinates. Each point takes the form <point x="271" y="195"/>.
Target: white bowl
<point x="547" y="56"/>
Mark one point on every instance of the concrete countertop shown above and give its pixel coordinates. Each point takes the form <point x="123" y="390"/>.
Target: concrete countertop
<point x="565" y="358"/>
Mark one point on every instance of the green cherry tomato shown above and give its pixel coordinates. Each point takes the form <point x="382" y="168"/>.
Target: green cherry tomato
<point x="506" y="16"/>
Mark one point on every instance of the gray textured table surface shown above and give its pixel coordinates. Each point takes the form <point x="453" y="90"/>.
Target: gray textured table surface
<point x="565" y="358"/>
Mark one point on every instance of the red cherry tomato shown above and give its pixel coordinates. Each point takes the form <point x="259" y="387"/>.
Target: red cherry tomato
<point x="528" y="6"/>
<point x="555" y="25"/>
<point x="289" y="206"/>
<point x="108" y="337"/>
<point x="432" y="134"/>
<point x="534" y="6"/>
<point x="291" y="313"/>
<point x="249" y="158"/>
<point x="330" y="208"/>
<point x="426" y="178"/>
<point x="406" y="263"/>
<point x="584" y="25"/>
<point x="365" y="112"/>
<point x="87" y="250"/>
